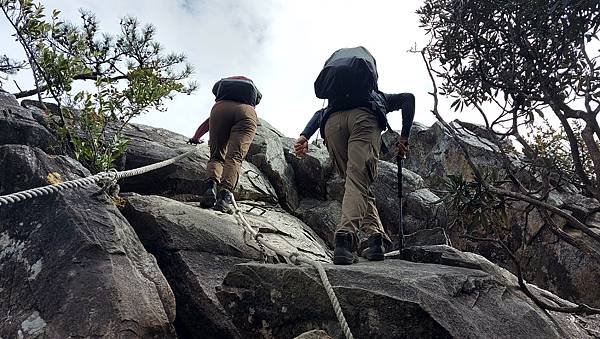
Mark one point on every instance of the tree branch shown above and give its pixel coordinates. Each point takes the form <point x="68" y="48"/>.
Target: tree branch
<point x="579" y="309"/>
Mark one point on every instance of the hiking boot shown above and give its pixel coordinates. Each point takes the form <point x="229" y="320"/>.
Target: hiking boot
<point x="375" y="250"/>
<point x="342" y="254"/>
<point x="224" y="203"/>
<point x="210" y="194"/>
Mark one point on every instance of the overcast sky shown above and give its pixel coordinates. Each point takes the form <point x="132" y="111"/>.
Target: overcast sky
<point x="280" y="44"/>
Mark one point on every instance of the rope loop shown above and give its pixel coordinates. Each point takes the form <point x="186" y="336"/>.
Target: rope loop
<point x="294" y="258"/>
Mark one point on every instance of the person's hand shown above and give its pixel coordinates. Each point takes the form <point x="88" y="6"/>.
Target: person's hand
<point x="402" y="146"/>
<point x="193" y="141"/>
<point x="301" y="146"/>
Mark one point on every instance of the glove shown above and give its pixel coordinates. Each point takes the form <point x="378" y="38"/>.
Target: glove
<point x="193" y="141"/>
<point x="402" y="145"/>
<point x="301" y="146"/>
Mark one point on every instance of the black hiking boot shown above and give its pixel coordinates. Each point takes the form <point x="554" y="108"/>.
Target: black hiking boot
<point x="375" y="250"/>
<point x="342" y="254"/>
<point x="224" y="203"/>
<point x="209" y="197"/>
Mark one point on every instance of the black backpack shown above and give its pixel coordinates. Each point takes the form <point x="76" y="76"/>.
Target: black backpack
<point x="349" y="72"/>
<point x="238" y="88"/>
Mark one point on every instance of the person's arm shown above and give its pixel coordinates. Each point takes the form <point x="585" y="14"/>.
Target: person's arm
<point x="301" y="145"/>
<point x="405" y="102"/>
<point x="202" y="129"/>
<point x="313" y="125"/>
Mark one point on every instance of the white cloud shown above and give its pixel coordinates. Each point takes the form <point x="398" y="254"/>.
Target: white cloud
<point x="280" y="44"/>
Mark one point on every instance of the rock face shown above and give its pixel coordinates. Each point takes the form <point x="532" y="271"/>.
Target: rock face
<point x="70" y="264"/>
<point x="19" y="126"/>
<point x="434" y="154"/>
<point x="547" y="261"/>
<point x="197" y="247"/>
<point x="149" y="145"/>
<point x="389" y="299"/>
<point x="321" y="216"/>
<point x="311" y="171"/>
<point x="423" y="212"/>
<point x="266" y="152"/>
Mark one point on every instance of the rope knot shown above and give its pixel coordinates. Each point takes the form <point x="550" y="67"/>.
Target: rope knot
<point x="294" y="258"/>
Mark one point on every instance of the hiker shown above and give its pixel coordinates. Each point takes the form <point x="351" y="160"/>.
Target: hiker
<point x="231" y="126"/>
<point x="351" y="125"/>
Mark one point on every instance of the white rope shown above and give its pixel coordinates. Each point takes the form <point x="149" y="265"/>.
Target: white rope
<point x="296" y="258"/>
<point x="102" y="177"/>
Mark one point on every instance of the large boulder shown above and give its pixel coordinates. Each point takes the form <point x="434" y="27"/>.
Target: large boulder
<point x="390" y="299"/>
<point x="312" y="170"/>
<point x="70" y="263"/>
<point x="196" y="248"/>
<point x="421" y="207"/>
<point x="563" y="269"/>
<point x="550" y="262"/>
<point x="434" y="154"/>
<point x="266" y="152"/>
<point x="321" y="216"/>
<point x="19" y="125"/>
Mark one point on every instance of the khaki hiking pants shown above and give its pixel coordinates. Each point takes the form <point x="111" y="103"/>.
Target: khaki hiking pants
<point x="353" y="139"/>
<point x="232" y="126"/>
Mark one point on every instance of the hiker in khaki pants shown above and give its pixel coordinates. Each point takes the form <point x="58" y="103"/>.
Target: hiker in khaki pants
<point x="352" y="132"/>
<point x="232" y="125"/>
<point x="353" y="140"/>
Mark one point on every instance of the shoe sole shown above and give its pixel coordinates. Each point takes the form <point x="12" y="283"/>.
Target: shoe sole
<point x="376" y="257"/>
<point x="343" y="260"/>
<point x="223" y="208"/>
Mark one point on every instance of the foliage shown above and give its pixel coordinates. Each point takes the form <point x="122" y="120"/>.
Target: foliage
<point x="527" y="59"/>
<point x="550" y="144"/>
<point x="9" y="67"/>
<point x="130" y="74"/>
<point x="472" y="205"/>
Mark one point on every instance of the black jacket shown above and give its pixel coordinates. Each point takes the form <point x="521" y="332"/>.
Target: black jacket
<point x="378" y="103"/>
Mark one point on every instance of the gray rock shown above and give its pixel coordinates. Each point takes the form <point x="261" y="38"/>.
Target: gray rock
<point x="433" y="236"/>
<point x="581" y="206"/>
<point x="450" y="256"/>
<point x="424" y="204"/>
<point x="196" y="247"/>
<point x="389" y="299"/>
<point x="70" y="264"/>
<point x="254" y="185"/>
<point x="321" y="216"/>
<point x="266" y="152"/>
<point x="150" y="145"/>
<point x="7" y="99"/>
<point x="593" y="220"/>
<point x="312" y="170"/>
<point x="560" y="268"/>
<point x="194" y="277"/>
<point x="169" y="225"/>
<point x="434" y="154"/>
<point x="19" y="126"/>
<point x="419" y="212"/>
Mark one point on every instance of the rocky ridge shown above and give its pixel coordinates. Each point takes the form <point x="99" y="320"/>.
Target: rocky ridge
<point x="73" y="265"/>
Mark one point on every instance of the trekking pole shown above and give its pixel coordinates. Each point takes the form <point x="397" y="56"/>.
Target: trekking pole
<point x="400" y="230"/>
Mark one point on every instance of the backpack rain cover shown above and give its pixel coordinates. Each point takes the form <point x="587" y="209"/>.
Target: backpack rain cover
<point x="348" y="72"/>
<point x="237" y="88"/>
